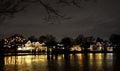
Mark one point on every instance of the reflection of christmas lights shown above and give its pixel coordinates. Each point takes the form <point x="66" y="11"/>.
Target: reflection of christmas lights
<point x="22" y="60"/>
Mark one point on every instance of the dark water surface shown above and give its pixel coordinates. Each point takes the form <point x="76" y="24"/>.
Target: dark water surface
<point x="61" y="62"/>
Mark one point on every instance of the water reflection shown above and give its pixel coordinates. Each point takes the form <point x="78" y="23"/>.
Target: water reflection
<point x="61" y="62"/>
<point x="1" y="63"/>
<point x="19" y="60"/>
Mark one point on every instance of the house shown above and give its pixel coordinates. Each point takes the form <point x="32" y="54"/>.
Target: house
<point x="33" y="46"/>
<point x="76" y="48"/>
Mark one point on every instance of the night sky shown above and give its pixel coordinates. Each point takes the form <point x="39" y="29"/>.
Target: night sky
<point x="93" y="19"/>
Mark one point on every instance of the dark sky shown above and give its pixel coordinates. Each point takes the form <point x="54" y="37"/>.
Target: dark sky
<point x="94" y="19"/>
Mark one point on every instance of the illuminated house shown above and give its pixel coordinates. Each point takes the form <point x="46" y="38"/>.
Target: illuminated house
<point x="101" y="46"/>
<point x="36" y="46"/>
<point x="76" y="48"/>
<point x="60" y="46"/>
<point x="96" y="47"/>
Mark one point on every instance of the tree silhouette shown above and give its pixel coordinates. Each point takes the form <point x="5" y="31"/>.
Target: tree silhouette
<point x="50" y="41"/>
<point x="13" y="42"/>
<point x="99" y="39"/>
<point x="1" y="47"/>
<point x="115" y="39"/>
<point x="42" y="39"/>
<point x="66" y="41"/>
<point x="84" y="42"/>
<point x="80" y="39"/>
<point x="10" y="7"/>
<point x="32" y="38"/>
<point x="87" y="42"/>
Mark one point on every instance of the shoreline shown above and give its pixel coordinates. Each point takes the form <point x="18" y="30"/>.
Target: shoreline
<point x="53" y="53"/>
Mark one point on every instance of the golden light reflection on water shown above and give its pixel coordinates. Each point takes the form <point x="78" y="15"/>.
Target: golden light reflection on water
<point x="58" y="62"/>
<point x="24" y="59"/>
<point x="95" y="61"/>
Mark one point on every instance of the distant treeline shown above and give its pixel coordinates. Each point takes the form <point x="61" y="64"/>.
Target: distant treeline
<point x="18" y="40"/>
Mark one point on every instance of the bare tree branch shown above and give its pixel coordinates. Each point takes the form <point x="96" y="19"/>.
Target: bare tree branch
<point x="76" y="3"/>
<point x="10" y="7"/>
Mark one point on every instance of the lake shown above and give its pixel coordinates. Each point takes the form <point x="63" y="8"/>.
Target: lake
<point x="62" y="62"/>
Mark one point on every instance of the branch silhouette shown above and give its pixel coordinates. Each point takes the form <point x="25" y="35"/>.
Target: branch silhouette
<point x="10" y="7"/>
